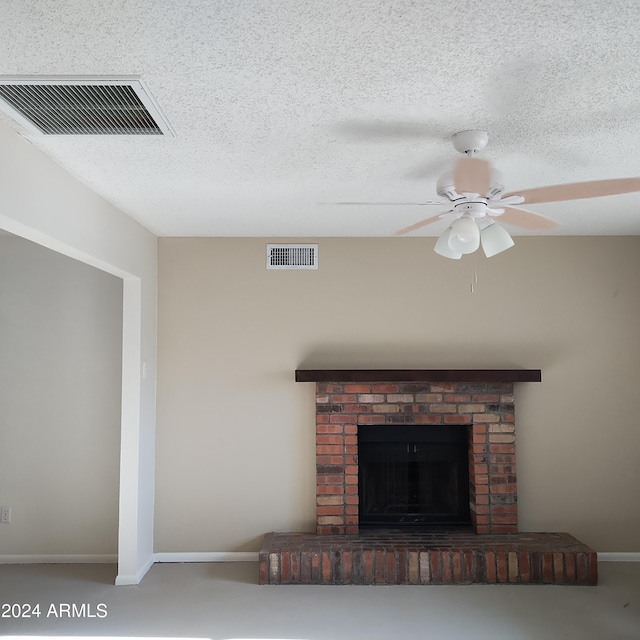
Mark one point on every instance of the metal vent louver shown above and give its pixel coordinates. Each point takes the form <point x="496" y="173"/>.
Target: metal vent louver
<point x="292" y="256"/>
<point x="83" y="106"/>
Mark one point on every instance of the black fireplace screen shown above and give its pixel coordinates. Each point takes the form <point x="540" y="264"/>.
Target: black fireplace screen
<point x="413" y="476"/>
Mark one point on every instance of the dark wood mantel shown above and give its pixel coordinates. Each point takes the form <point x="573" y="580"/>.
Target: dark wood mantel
<point x="418" y="375"/>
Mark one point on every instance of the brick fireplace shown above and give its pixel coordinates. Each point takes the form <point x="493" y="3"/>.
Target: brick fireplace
<point x="486" y="408"/>
<point x="491" y="550"/>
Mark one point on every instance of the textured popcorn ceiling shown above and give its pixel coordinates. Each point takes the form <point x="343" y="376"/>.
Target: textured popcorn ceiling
<point x="280" y="105"/>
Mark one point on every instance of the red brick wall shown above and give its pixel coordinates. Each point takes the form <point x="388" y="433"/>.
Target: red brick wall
<point x="487" y="409"/>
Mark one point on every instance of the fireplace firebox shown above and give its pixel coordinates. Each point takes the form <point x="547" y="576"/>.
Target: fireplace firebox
<point x="413" y="476"/>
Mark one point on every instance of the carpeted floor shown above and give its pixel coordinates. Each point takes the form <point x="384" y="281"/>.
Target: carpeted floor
<point x="224" y="601"/>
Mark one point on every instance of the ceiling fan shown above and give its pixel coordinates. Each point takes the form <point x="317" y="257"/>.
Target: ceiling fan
<point x="477" y="195"/>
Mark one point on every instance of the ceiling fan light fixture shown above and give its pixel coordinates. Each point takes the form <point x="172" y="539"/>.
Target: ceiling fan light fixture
<point x="495" y="239"/>
<point x="464" y="236"/>
<point x="442" y="246"/>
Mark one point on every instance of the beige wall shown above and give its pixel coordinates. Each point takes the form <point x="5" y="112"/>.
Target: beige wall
<point x="60" y="390"/>
<point x="235" y="438"/>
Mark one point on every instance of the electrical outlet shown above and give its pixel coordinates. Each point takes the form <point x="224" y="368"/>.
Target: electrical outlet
<point x="5" y="514"/>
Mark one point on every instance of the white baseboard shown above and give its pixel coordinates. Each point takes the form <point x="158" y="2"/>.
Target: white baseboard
<point x="202" y="556"/>
<point x="129" y="579"/>
<point x="72" y="558"/>
<point x="614" y="556"/>
<point x="207" y="556"/>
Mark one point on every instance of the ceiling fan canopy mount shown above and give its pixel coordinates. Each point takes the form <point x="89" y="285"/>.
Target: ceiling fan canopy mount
<point x="470" y="142"/>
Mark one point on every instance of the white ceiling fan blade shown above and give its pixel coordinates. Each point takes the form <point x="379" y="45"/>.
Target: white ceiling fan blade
<point x="422" y="223"/>
<point x="526" y="219"/>
<point x="472" y="175"/>
<point x="578" y="190"/>
<point x="426" y="203"/>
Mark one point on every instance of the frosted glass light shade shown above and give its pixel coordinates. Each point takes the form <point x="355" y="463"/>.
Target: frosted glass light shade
<point x="464" y="236"/>
<point x="495" y="239"/>
<point x="442" y="246"/>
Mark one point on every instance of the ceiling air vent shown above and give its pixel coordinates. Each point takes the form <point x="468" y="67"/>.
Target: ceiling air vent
<point x="119" y="106"/>
<point x="292" y="256"/>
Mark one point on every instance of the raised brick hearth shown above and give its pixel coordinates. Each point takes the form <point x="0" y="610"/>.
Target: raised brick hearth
<point x="421" y="558"/>
<point x="491" y="551"/>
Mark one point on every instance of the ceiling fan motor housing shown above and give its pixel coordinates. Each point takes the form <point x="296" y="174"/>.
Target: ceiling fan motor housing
<point x="471" y="209"/>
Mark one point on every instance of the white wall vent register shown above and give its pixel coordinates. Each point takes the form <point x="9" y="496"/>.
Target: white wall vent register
<point x="69" y="105"/>
<point x="292" y="256"/>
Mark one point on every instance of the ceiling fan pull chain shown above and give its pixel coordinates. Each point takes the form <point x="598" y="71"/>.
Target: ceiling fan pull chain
<point x="474" y="274"/>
